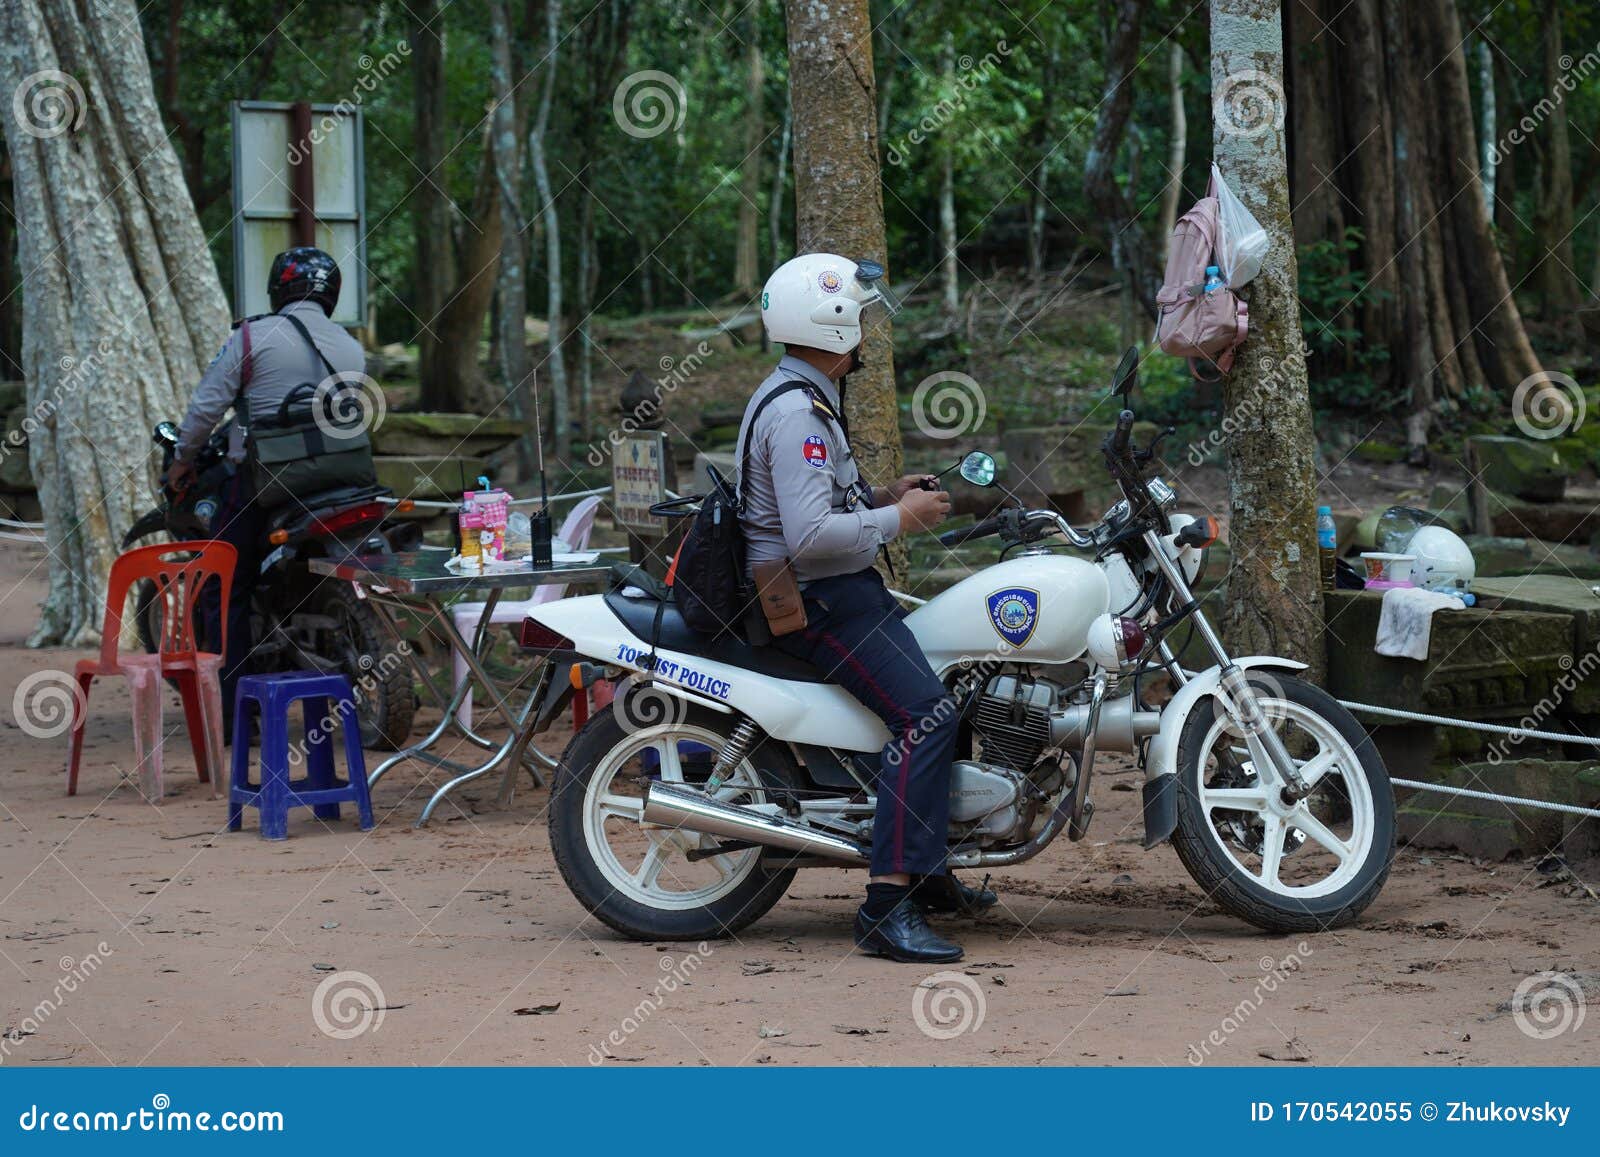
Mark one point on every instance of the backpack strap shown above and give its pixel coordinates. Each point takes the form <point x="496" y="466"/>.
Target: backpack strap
<point x="788" y="387"/>
<point x="300" y="326"/>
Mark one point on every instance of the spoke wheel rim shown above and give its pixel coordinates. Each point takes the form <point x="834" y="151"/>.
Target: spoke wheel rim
<point x="1334" y="761"/>
<point x="649" y="879"/>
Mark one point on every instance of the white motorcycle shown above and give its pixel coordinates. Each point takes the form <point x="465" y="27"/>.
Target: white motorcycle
<point x="684" y="811"/>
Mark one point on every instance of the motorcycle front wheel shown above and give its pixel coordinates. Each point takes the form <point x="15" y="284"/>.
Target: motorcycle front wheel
<point x="641" y="880"/>
<point x="1301" y="866"/>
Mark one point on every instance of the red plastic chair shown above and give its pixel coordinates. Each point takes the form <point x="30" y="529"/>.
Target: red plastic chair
<point x="178" y="581"/>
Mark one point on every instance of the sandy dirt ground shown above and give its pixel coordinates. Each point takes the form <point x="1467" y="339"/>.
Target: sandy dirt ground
<point x="137" y="934"/>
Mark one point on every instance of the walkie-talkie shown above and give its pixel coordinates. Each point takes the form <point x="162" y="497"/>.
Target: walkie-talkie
<point x="539" y="524"/>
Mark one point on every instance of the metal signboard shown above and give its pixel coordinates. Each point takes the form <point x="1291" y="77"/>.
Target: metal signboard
<point x="639" y="480"/>
<point x="298" y="180"/>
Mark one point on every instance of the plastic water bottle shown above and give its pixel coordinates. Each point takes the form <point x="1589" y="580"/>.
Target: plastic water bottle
<point x="1327" y="546"/>
<point x="1213" y="278"/>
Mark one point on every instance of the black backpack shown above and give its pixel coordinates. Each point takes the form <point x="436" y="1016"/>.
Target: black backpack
<point x="707" y="574"/>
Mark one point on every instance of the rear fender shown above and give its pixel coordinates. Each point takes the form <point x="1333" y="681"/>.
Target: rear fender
<point x="1161" y="761"/>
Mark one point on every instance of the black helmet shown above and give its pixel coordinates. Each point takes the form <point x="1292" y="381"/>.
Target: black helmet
<point x="304" y="274"/>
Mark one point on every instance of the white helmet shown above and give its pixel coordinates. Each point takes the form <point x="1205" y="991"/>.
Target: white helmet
<point x="1441" y="557"/>
<point x="816" y="300"/>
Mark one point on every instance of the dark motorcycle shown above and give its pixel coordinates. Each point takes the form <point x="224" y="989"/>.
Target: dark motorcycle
<point x="299" y="621"/>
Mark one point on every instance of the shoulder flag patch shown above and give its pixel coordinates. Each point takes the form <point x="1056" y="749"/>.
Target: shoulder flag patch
<point x="815" y="451"/>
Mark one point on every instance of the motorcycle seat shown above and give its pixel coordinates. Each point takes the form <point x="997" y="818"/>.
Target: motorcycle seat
<point x="639" y="616"/>
<point x="324" y="500"/>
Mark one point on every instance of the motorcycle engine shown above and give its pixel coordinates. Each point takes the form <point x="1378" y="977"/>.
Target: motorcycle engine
<point x="1001" y="791"/>
<point x="1011" y="720"/>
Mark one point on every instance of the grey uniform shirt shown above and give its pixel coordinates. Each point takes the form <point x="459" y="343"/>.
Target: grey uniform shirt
<point x="805" y="499"/>
<point x="280" y="359"/>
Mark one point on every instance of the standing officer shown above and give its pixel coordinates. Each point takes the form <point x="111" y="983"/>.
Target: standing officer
<point x="805" y="501"/>
<point x="270" y="355"/>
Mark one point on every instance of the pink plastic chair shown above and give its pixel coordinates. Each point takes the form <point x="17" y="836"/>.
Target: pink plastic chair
<point x="178" y="582"/>
<point x="575" y="532"/>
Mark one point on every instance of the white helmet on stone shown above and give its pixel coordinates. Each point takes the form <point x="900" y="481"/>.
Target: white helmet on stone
<point x="816" y="300"/>
<point x="1442" y="559"/>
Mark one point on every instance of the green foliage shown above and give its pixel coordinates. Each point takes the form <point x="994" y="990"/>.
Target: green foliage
<point x="1346" y="372"/>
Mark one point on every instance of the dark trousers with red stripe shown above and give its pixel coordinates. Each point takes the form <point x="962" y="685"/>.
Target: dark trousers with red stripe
<point x="854" y="633"/>
<point x="238" y="521"/>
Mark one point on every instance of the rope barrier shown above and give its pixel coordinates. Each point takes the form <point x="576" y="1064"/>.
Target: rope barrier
<point x="21" y="525"/>
<point x="1493" y="729"/>
<point x="1543" y="805"/>
<point x="430" y="504"/>
<point x="10" y="537"/>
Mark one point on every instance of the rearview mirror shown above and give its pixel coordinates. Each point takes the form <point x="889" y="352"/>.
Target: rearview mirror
<point x="1126" y="376"/>
<point x="979" y="469"/>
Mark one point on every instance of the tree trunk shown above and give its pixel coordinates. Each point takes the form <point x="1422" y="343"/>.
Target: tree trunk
<point x="123" y="306"/>
<point x="1488" y="154"/>
<point x="1557" y="275"/>
<point x="1314" y="148"/>
<point x="434" y="276"/>
<point x="1502" y="343"/>
<point x="949" y="262"/>
<point x="560" y="409"/>
<point x="1129" y="252"/>
<point x="458" y="379"/>
<point x="839" y="199"/>
<point x="780" y="183"/>
<point x="1274" y="588"/>
<point x="511" y="317"/>
<point x="747" y="255"/>
<point x="1369" y="129"/>
<point x="1177" y="146"/>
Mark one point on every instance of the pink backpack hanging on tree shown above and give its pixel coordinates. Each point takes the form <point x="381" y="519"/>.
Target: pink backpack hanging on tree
<point x="1203" y="324"/>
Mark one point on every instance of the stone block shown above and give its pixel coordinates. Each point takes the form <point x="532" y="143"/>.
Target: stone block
<point x="1493" y="829"/>
<point x="415" y="434"/>
<point x="1520" y="466"/>
<point x="429" y="479"/>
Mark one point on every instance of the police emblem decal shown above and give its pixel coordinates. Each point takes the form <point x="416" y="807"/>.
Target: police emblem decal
<point x="1014" y="613"/>
<point x="830" y="281"/>
<point x="815" y="451"/>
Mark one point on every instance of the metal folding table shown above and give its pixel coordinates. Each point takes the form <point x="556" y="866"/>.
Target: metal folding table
<point x="419" y="581"/>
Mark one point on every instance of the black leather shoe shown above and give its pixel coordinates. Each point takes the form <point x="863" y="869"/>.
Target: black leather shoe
<point x="948" y="894"/>
<point x="904" y="935"/>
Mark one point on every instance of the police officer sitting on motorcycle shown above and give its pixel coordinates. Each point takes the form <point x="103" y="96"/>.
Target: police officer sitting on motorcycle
<point x="303" y="287"/>
<point x="805" y="501"/>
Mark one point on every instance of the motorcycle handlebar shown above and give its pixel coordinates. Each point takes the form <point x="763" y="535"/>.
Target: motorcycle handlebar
<point x="967" y="533"/>
<point x="1119" y="438"/>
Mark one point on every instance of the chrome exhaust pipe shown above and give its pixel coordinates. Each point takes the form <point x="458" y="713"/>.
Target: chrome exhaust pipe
<point x="675" y="807"/>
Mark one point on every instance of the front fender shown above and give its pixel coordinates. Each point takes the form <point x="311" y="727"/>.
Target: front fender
<point x="1161" y="760"/>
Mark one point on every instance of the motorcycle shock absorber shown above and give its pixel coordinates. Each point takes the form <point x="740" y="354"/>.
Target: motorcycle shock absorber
<point x="732" y="754"/>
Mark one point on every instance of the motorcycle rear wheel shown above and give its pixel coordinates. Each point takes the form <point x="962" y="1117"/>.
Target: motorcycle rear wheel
<point x="639" y="880"/>
<point x="1302" y="867"/>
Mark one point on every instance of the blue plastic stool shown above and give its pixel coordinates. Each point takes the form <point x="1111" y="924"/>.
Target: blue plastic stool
<point x="276" y="793"/>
